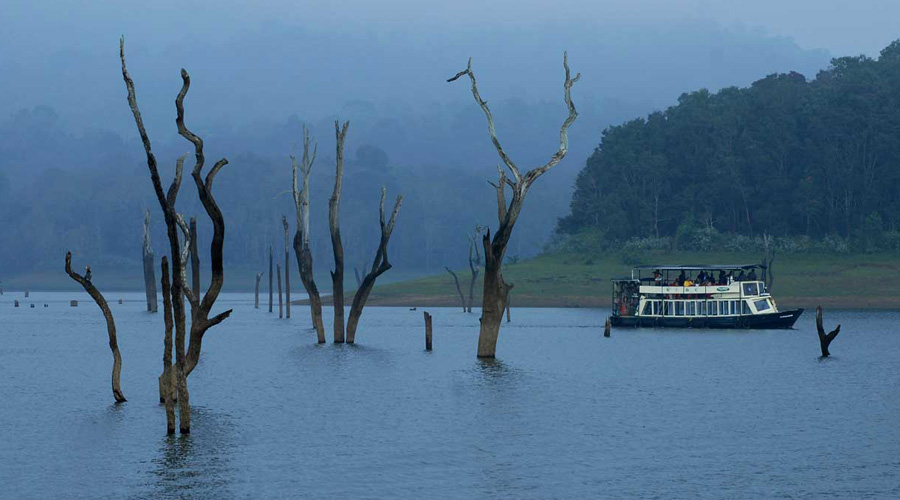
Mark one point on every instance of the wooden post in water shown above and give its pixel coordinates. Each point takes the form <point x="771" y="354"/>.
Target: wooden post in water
<point x="825" y="340"/>
<point x="427" y="331"/>
<point x="508" y="318"/>
<point x="16" y="303"/>
<point x="280" y="304"/>
<point x="270" y="278"/>
<point x="256" y="302"/>
<point x="607" y="327"/>
<point x="26" y="293"/>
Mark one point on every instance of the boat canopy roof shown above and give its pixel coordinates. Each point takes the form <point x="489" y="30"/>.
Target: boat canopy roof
<point x="700" y="267"/>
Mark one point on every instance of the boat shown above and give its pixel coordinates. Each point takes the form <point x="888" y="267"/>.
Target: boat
<point x="723" y="297"/>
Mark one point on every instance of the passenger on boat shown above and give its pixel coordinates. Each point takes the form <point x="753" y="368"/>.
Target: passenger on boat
<point x="688" y="282"/>
<point x="752" y="275"/>
<point x="741" y="276"/>
<point x="701" y="277"/>
<point x="657" y="278"/>
<point x="723" y="280"/>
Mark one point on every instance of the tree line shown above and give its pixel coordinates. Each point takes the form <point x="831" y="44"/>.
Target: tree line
<point x="787" y="156"/>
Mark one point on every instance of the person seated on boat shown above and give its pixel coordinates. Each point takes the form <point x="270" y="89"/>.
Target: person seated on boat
<point x="701" y="277"/>
<point x="688" y="282"/>
<point x="752" y="275"/>
<point x="657" y="278"/>
<point x="741" y="276"/>
<point x="723" y="280"/>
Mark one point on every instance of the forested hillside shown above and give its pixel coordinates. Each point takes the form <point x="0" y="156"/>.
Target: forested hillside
<point x="805" y="160"/>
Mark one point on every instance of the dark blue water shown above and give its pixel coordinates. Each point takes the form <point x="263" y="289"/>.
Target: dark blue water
<point x="563" y="412"/>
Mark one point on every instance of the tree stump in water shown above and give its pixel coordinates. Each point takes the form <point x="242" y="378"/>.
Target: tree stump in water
<point x="825" y="339"/>
<point x="270" y="279"/>
<point x="427" y="331"/>
<point x="607" y="327"/>
<point x="72" y="303"/>
<point x="16" y="303"/>
<point x="110" y="326"/>
<point x="256" y="301"/>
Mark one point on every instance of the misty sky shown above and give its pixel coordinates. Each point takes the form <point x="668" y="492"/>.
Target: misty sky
<point x="33" y="26"/>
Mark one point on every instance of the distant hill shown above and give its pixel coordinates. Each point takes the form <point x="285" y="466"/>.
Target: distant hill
<point x="787" y="156"/>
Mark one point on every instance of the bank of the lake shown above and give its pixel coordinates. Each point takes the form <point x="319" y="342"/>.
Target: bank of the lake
<point x="870" y="281"/>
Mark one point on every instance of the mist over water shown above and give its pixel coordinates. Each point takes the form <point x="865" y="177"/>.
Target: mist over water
<point x="562" y="412"/>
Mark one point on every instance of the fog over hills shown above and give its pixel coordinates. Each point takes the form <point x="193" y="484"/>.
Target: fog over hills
<point x="259" y="73"/>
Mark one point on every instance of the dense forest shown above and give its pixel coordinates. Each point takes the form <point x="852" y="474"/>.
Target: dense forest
<point x="814" y="163"/>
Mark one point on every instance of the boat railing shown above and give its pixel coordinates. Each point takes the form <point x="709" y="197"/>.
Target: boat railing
<point x="737" y="289"/>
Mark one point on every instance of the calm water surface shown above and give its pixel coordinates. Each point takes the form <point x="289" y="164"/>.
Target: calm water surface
<point x="563" y="412"/>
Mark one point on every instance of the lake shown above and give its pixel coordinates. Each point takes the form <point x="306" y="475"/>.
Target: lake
<point x="562" y="413"/>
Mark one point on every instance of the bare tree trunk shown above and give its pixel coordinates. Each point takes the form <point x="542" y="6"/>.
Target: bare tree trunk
<point x="287" y="270"/>
<point x="280" y="303"/>
<point x="496" y="291"/>
<point x="607" y="327"/>
<point x="355" y="272"/>
<point x="427" y="331"/>
<point x="256" y="301"/>
<point x="167" y="379"/>
<point x="271" y="291"/>
<point x="195" y="259"/>
<point x="825" y="340"/>
<point x="149" y="272"/>
<point x="301" y="236"/>
<point x="458" y="290"/>
<point x="110" y="326"/>
<point x="185" y="359"/>
<point x="334" y="203"/>
<point x="474" y="265"/>
<point x="379" y="266"/>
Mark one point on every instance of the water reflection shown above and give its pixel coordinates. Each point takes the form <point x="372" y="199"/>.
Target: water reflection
<point x="196" y="465"/>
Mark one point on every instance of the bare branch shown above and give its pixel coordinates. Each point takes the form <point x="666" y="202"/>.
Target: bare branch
<point x="564" y="130"/>
<point x="490" y="119"/>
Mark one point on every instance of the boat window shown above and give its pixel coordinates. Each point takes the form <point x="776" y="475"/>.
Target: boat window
<point x="734" y="306"/>
<point x="679" y="308"/>
<point x="723" y="308"/>
<point x="745" y="307"/>
<point x="751" y="289"/>
<point x="762" y="305"/>
<point x="703" y="308"/>
<point x="646" y="311"/>
<point x="656" y="304"/>
<point x="691" y="308"/>
<point x="713" y="309"/>
<point x="668" y="308"/>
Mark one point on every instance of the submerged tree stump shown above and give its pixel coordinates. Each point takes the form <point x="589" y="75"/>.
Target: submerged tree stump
<point x="427" y="331"/>
<point x="825" y="339"/>
<point x="607" y="327"/>
<point x="270" y="279"/>
<point x="110" y="326"/>
<point x="256" y="302"/>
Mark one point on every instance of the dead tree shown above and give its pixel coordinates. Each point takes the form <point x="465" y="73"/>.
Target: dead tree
<point x="287" y="269"/>
<point x="337" y="247"/>
<point x="825" y="339"/>
<point x="167" y="386"/>
<point x="301" y="236"/>
<point x="149" y="272"/>
<point x="768" y="258"/>
<point x="110" y="326"/>
<point x="474" y="264"/>
<point x="379" y="266"/>
<point x="495" y="289"/>
<point x="256" y="301"/>
<point x="355" y="273"/>
<point x="427" y="331"/>
<point x="271" y="291"/>
<point x="186" y="356"/>
<point x="280" y="303"/>
<point x="458" y="289"/>
<point x="195" y="259"/>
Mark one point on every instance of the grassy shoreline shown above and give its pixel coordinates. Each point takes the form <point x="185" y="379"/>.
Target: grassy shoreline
<point x="563" y="280"/>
